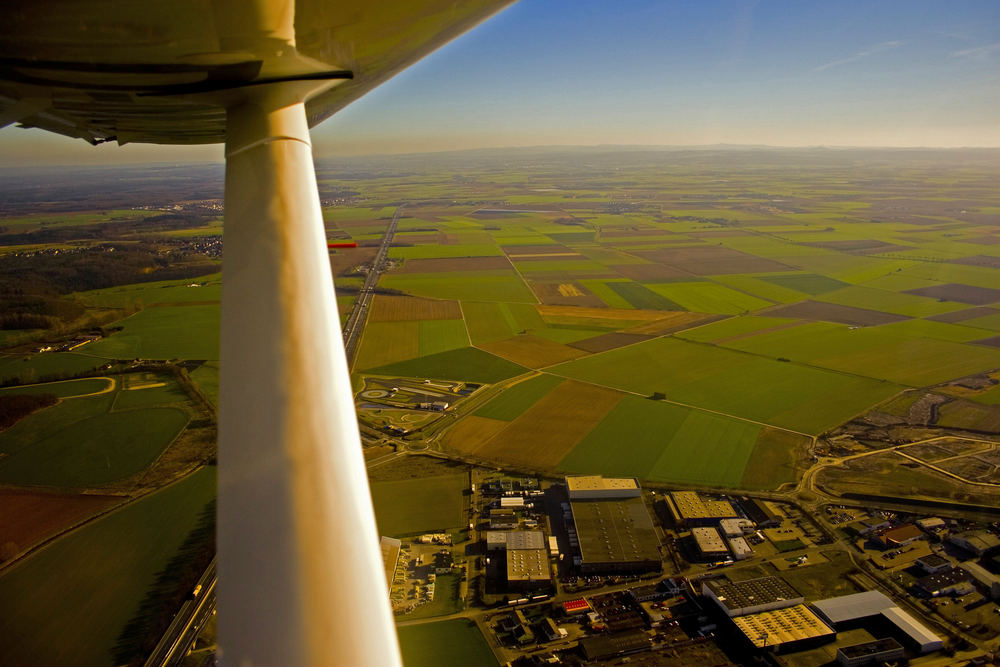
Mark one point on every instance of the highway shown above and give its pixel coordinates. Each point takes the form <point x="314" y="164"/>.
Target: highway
<point x="188" y="622"/>
<point x="356" y="320"/>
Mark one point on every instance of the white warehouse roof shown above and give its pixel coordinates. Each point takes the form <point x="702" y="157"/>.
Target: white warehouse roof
<point x="927" y="640"/>
<point x="850" y="607"/>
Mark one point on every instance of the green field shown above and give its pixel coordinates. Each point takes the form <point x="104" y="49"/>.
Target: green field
<point x="807" y="283"/>
<point x="454" y="643"/>
<point x="209" y="288"/>
<point x="71" y="603"/>
<point x="467" y="363"/>
<point x="488" y="321"/>
<point x="81" y="442"/>
<point x="709" y="298"/>
<point x="441" y="335"/>
<point x="734" y="326"/>
<point x="644" y="298"/>
<point x="890" y="302"/>
<point x="666" y="443"/>
<point x="37" y="367"/>
<point x="164" y="332"/>
<point x="889" y="352"/>
<point x="149" y="397"/>
<point x="64" y="389"/>
<point x="783" y="394"/>
<point x="510" y="403"/>
<point x="463" y="286"/>
<point x="206" y="377"/>
<point x="412" y="506"/>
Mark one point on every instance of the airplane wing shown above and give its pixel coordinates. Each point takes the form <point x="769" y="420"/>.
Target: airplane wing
<point x="300" y="573"/>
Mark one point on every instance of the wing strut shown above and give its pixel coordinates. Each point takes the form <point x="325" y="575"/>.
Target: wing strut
<point x="300" y="573"/>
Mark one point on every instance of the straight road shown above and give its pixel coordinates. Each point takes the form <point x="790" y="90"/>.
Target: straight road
<point x="356" y="320"/>
<point x="188" y="622"/>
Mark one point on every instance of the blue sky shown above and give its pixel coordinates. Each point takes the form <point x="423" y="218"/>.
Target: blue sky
<point x="900" y="73"/>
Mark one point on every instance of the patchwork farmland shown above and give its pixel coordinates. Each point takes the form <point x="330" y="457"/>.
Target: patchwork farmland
<point x="651" y="336"/>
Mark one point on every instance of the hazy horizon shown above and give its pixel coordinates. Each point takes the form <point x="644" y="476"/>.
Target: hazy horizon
<point x="893" y="75"/>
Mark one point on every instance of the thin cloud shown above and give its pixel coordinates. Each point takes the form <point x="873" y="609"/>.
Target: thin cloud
<point x="978" y="52"/>
<point x="860" y="55"/>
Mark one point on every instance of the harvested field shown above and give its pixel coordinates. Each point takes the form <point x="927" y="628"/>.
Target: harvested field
<point x="978" y="296"/>
<point x="650" y="272"/>
<point x="713" y="260"/>
<point x="566" y="294"/>
<point x="830" y="312"/>
<point x="442" y="264"/>
<point x="988" y="261"/>
<point x="963" y="315"/>
<point x="993" y="341"/>
<point x="345" y="260"/>
<point x="390" y="308"/>
<point x="609" y="341"/>
<point x="583" y="312"/>
<point x="472" y="432"/>
<point x="548" y="430"/>
<point x="30" y="517"/>
<point x="531" y="351"/>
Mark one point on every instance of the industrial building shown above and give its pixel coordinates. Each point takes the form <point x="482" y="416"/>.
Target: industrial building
<point x="986" y="579"/>
<point x="899" y="536"/>
<point x="688" y="508"/>
<point x="871" y="606"/>
<point x="736" y="527"/>
<point x="527" y="568"/>
<point x="977" y="542"/>
<point x="955" y="581"/>
<point x="758" y="512"/>
<point x="933" y="563"/>
<point x="497" y="540"/>
<point x="739" y="548"/>
<point x="390" y="557"/>
<point x="709" y="543"/>
<point x="615" y="534"/>
<point x="739" y="598"/>
<point x="870" y="653"/>
<point x="596" y="487"/>
<point x="603" y="647"/>
<point x="503" y="518"/>
<point x="789" y="629"/>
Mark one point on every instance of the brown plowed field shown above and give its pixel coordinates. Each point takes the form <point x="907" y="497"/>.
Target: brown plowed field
<point x="444" y="264"/>
<point x="472" y="433"/>
<point x="831" y="312"/>
<point x="963" y="315"/>
<point x="531" y="351"/>
<point x="346" y="259"/>
<point x="391" y="308"/>
<point x="644" y="272"/>
<point x="988" y="261"/>
<point x="977" y="296"/>
<point x="550" y="293"/>
<point x="549" y="429"/>
<point x="712" y="260"/>
<point x="30" y="517"/>
<point x="992" y="341"/>
<point x="546" y="310"/>
<point x="609" y="341"/>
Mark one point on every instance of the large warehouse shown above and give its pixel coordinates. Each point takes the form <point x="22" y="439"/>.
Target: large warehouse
<point x="692" y="509"/>
<point x="739" y="598"/>
<point x="615" y="534"/>
<point x="596" y="487"/>
<point x="791" y="628"/>
<point x="874" y="607"/>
